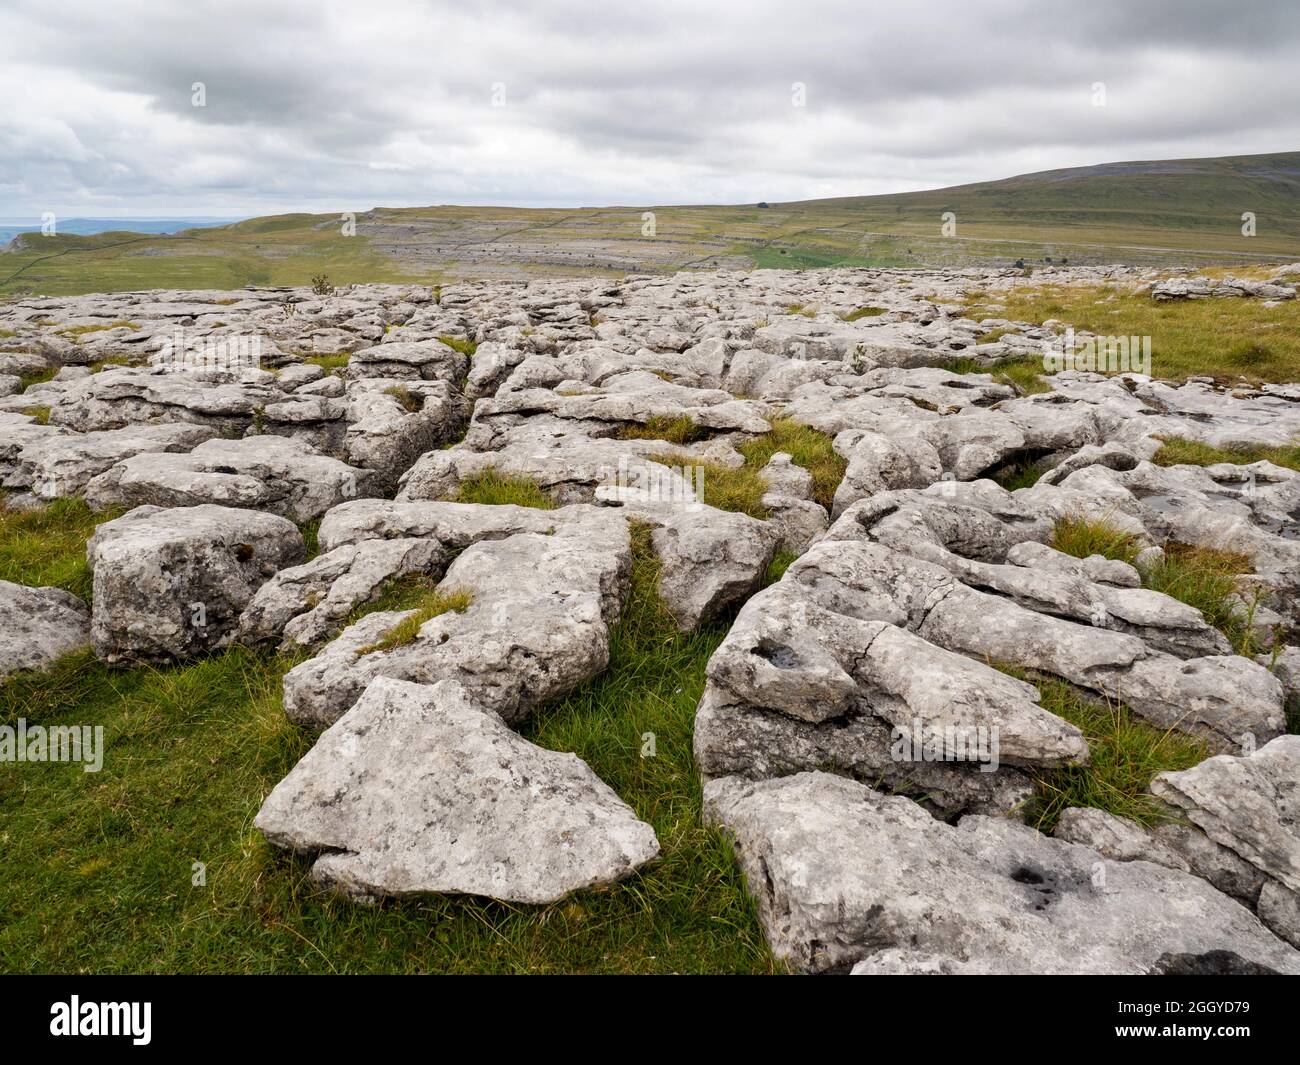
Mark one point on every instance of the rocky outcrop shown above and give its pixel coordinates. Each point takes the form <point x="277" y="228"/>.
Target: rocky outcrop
<point x="172" y="583"/>
<point x="848" y="878"/>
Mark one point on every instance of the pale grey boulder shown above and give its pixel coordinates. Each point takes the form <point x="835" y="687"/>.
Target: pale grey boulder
<point x="710" y="559"/>
<point x="303" y="605"/>
<point x="1249" y="805"/>
<point x="1224" y="699"/>
<point x="797" y="522"/>
<point x="788" y="654"/>
<point x="385" y="435"/>
<point x="60" y="466"/>
<point x="421" y="789"/>
<point x="735" y="739"/>
<point x="1094" y="568"/>
<point x="423" y="360"/>
<point x="38" y="626"/>
<point x="848" y="878"/>
<point x="172" y="583"/>
<point x="633" y="398"/>
<point x="1117" y="838"/>
<point x="454" y="525"/>
<point x="569" y="468"/>
<point x="271" y="473"/>
<point x="537" y="625"/>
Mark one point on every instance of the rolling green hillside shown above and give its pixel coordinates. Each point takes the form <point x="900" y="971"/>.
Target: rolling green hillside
<point x="1169" y="212"/>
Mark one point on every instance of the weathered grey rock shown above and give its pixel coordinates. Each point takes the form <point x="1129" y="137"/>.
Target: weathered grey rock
<point x="536" y="627"/>
<point x="1249" y="805"/>
<point x="385" y="436"/>
<point x="424" y="360"/>
<point x="38" y="626"/>
<point x="421" y="789"/>
<point x="272" y="473"/>
<point x="58" y="466"/>
<point x="171" y="583"/>
<point x="1116" y="838"/>
<point x="846" y="877"/>
<point x="710" y="559"/>
<point x="303" y="605"/>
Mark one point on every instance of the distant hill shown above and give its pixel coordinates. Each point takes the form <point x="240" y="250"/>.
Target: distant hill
<point x="1159" y="212"/>
<point x="10" y="228"/>
<point x="1189" y="195"/>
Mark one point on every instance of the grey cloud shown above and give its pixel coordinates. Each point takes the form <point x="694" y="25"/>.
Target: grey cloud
<point x="666" y="102"/>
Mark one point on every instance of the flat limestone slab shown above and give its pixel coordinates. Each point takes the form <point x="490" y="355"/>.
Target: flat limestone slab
<point x="419" y="789"/>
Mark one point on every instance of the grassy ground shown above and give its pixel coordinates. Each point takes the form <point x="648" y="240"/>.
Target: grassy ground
<point x="1228" y="339"/>
<point x="1176" y="451"/>
<point x="47" y="547"/>
<point x="1181" y="213"/>
<point x="100" y="873"/>
<point x="1126" y="753"/>
<point x="1202" y="577"/>
<point x="492" y="488"/>
<point x="1024" y="375"/>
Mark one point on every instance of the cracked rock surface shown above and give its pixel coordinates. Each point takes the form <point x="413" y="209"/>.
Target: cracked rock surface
<point x="278" y="464"/>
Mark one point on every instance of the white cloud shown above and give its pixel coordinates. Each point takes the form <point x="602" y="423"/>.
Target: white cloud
<point x="331" y="106"/>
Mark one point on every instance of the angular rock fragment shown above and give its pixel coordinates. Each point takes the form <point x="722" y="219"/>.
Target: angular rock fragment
<point x="38" y="626"/>
<point x="848" y="878"/>
<point x="421" y="789"/>
<point x="272" y="473"/>
<point x="171" y="583"/>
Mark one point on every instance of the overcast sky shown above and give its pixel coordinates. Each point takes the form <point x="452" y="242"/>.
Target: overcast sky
<point x="324" y="106"/>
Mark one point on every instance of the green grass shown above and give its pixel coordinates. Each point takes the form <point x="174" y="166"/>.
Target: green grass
<point x="493" y="488"/>
<point x="1206" y="578"/>
<point x="1019" y="475"/>
<point x="41" y="415"/>
<point x="679" y="430"/>
<point x="808" y="447"/>
<point x="99" y="871"/>
<point x="862" y="312"/>
<point x="329" y="363"/>
<point x="1083" y="538"/>
<point x="1025" y="375"/>
<point x="1177" y="451"/>
<point x="465" y="347"/>
<point x="1226" y="339"/>
<point x="1126" y="753"/>
<point x="39" y="377"/>
<point x="311" y="537"/>
<point x="781" y="562"/>
<point x="433" y="605"/>
<point x="46" y="547"/>
<point x="411" y="402"/>
<point x="1202" y="577"/>
<point x="738" y="489"/>
<point x="75" y="331"/>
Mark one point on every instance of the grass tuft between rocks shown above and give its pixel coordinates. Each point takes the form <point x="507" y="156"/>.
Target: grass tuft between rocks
<point x="1203" y="577"/>
<point x="456" y="600"/>
<point x="1126" y="753"/>
<point x="679" y="430"/>
<point x="47" y="547"/>
<point x="493" y="488"/>
<point x="1177" y="451"/>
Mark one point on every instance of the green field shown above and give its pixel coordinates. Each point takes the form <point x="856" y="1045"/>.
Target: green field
<point x="1172" y="212"/>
